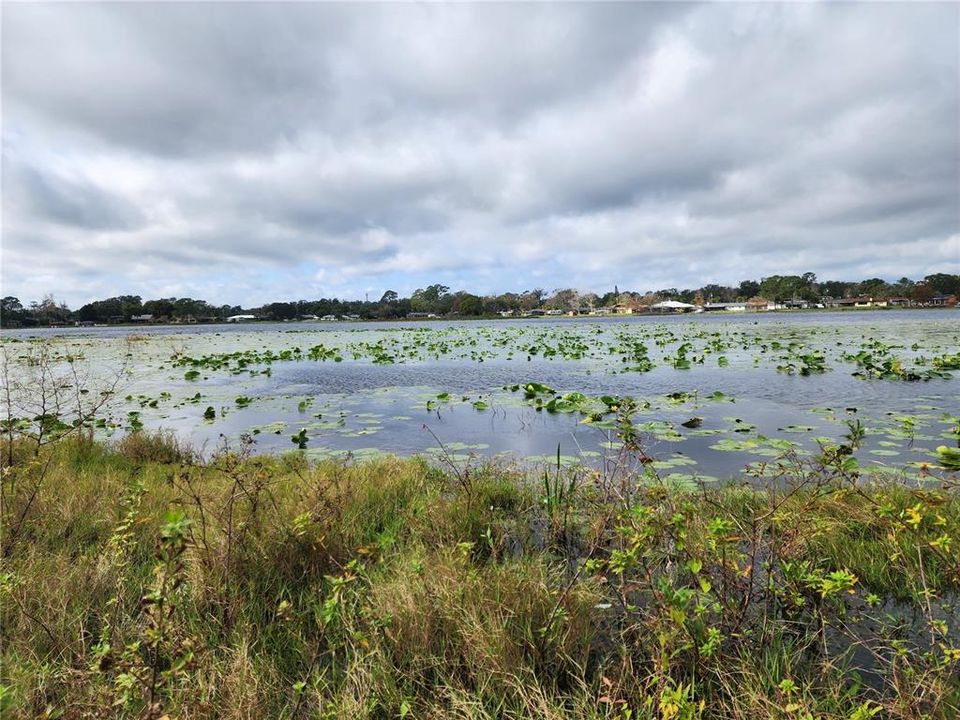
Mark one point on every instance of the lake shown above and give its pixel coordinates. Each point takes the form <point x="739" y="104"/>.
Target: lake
<point x="714" y="393"/>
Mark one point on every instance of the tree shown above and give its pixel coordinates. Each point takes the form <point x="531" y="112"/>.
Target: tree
<point x="875" y="287"/>
<point x="434" y="293"/>
<point x="389" y="306"/>
<point x="589" y="300"/>
<point x="49" y="311"/>
<point x="11" y="312"/>
<point x="810" y="291"/>
<point x="648" y="299"/>
<point x="162" y="308"/>
<point x="717" y="293"/>
<point x="506" y="301"/>
<point x="789" y="287"/>
<point x="430" y="298"/>
<point x="748" y="289"/>
<point x="943" y="284"/>
<point x="783" y="287"/>
<point x="281" y="310"/>
<point x="903" y="287"/>
<point x="531" y="299"/>
<point x="836" y="288"/>
<point x="921" y="293"/>
<point x="566" y="299"/>
<point x="130" y="305"/>
<point x="120" y="307"/>
<point x="94" y="312"/>
<point x="467" y="304"/>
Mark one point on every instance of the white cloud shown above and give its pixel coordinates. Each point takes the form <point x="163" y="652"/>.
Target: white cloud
<point x="254" y="152"/>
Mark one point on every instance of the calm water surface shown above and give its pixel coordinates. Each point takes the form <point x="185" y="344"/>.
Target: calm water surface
<point x="416" y="387"/>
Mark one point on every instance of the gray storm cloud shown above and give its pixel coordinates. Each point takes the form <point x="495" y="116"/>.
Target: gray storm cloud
<point x="250" y="152"/>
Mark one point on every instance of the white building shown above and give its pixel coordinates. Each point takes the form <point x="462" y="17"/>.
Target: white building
<point x="673" y="306"/>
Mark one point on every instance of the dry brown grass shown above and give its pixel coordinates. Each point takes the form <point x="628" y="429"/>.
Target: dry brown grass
<point x="154" y="447"/>
<point x="388" y="588"/>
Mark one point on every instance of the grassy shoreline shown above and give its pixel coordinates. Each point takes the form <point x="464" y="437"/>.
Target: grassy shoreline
<point x="141" y="581"/>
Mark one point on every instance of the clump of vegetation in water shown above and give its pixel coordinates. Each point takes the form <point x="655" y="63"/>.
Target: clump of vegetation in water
<point x="620" y="348"/>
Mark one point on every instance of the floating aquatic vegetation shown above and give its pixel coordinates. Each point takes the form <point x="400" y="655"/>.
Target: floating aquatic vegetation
<point x="881" y="365"/>
<point x="759" y="445"/>
<point x="717" y="396"/>
<point x="947" y="362"/>
<point x="671" y="461"/>
<point x="805" y="364"/>
<point x="321" y="353"/>
<point x="595" y="368"/>
<point x="274" y="428"/>
<point x="949" y="457"/>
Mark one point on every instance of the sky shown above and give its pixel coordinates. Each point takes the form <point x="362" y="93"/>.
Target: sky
<point x="246" y="153"/>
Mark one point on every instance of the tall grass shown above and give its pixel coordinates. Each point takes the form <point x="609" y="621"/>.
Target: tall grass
<point x="144" y="581"/>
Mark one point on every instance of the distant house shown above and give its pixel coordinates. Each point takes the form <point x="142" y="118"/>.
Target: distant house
<point x="241" y="318"/>
<point x="142" y="318"/>
<point x="672" y="306"/>
<point x="943" y="301"/>
<point x="727" y="307"/>
<point x="860" y="302"/>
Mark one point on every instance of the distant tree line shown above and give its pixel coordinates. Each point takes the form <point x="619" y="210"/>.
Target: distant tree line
<point x="438" y="300"/>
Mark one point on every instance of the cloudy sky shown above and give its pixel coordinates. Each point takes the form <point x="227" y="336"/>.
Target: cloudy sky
<point x="251" y="152"/>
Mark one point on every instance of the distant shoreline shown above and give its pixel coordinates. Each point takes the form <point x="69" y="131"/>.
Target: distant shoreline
<point x="476" y="318"/>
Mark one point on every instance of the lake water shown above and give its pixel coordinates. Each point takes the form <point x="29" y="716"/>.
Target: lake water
<point x="715" y="393"/>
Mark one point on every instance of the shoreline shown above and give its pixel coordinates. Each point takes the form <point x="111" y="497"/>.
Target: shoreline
<point x="393" y="587"/>
<point x="487" y="318"/>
